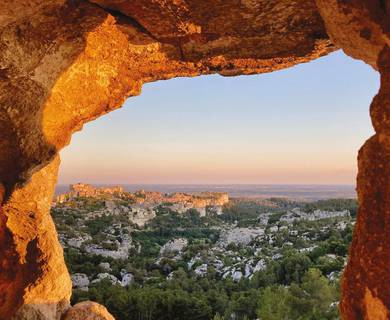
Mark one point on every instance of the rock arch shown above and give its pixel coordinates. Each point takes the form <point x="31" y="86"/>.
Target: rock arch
<point x="66" y="62"/>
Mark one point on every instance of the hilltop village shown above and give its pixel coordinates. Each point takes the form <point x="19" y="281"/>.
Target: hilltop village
<point x="117" y="239"/>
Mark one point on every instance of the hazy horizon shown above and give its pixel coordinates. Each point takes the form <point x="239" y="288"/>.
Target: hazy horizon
<point x="297" y="192"/>
<point x="208" y="184"/>
<point x="299" y="126"/>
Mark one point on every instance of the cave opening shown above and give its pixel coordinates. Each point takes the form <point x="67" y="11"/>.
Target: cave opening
<point x="281" y="122"/>
<point x="65" y="63"/>
<point x="313" y="116"/>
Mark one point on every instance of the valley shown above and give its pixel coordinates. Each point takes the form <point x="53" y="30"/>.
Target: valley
<point x="203" y="255"/>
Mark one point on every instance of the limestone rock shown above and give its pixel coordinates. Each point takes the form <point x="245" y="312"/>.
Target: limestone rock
<point x="237" y="275"/>
<point x="88" y="310"/>
<point x="366" y="280"/>
<point x="127" y="279"/>
<point x="33" y="272"/>
<point x="105" y="275"/>
<point x="80" y="281"/>
<point x="121" y="251"/>
<point x="64" y="63"/>
<point x="41" y="311"/>
<point x="360" y="27"/>
<point x="202" y="28"/>
<point x="175" y="245"/>
<point x="60" y="41"/>
<point x="240" y="236"/>
<point x="201" y="270"/>
<point x="140" y="214"/>
<point x="105" y="266"/>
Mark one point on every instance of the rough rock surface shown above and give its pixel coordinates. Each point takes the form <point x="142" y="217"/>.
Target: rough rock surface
<point x="63" y="63"/>
<point x="80" y="280"/>
<point x="105" y="275"/>
<point x="362" y="29"/>
<point x="77" y="61"/>
<point x="174" y="245"/>
<point x="366" y="285"/>
<point x="88" y="310"/>
<point x="208" y="28"/>
<point x="33" y="272"/>
<point x="240" y="236"/>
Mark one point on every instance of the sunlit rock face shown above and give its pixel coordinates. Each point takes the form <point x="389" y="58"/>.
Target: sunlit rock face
<point x="33" y="274"/>
<point x="64" y="63"/>
<point x="362" y="29"/>
<point x="366" y="285"/>
<point x="230" y="29"/>
<point x="88" y="310"/>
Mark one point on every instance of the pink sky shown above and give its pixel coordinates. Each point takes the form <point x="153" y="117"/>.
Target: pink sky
<point x="303" y="125"/>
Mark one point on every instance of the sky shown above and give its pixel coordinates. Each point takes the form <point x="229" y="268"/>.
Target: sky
<point x="302" y="125"/>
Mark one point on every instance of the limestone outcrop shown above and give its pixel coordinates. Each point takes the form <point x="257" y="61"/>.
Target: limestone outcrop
<point x="86" y="190"/>
<point x="366" y="285"/>
<point x="362" y="29"/>
<point x="33" y="273"/>
<point x="88" y="310"/>
<point x="66" y="62"/>
<point x="76" y="61"/>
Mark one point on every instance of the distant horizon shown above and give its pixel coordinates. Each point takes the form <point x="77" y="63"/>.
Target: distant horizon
<point x="210" y="184"/>
<point x="299" y="126"/>
<point x="260" y="191"/>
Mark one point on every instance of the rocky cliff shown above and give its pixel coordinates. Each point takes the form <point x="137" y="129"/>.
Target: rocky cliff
<point x="140" y="206"/>
<point x="86" y="190"/>
<point x="66" y="62"/>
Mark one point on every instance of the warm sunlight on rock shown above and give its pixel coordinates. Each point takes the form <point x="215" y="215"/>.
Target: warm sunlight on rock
<point x="64" y="63"/>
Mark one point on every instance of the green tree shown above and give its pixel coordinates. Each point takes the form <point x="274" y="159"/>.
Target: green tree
<point x="271" y="275"/>
<point x="312" y="299"/>
<point x="294" y="266"/>
<point x="274" y="304"/>
<point x="244" y="304"/>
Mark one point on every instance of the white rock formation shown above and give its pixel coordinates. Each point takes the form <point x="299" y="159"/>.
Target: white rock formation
<point x="121" y="253"/>
<point x="237" y="275"/>
<point x="296" y="214"/>
<point x="80" y="281"/>
<point x="240" y="236"/>
<point x="192" y="261"/>
<point x="273" y="229"/>
<point x="105" y="275"/>
<point x="201" y="270"/>
<point x="248" y="270"/>
<point x="77" y="242"/>
<point x="105" y="266"/>
<point x="140" y="214"/>
<point x="127" y="279"/>
<point x="174" y="245"/>
<point x="218" y="264"/>
<point x="261" y="265"/>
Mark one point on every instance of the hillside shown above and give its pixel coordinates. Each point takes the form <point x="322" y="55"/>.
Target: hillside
<point x="227" y="261"/>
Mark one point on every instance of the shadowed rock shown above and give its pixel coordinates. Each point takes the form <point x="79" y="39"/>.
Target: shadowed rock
<point x="64" y="63"/>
